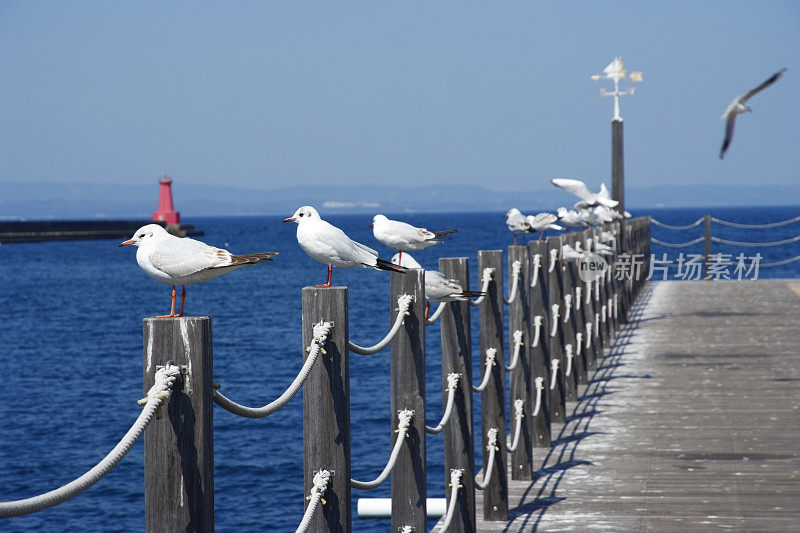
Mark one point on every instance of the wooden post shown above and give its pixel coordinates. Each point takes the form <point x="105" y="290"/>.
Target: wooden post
<point x="707" y="225"/>
<point x="459" y="449"/>
<point x="521" y="382"/>
<point x="178" y="448"/>
<point x="571" y="322"/>
<point x="409" y="484"/>
<point x="326" y="408"/>
<point x="617" y="165"/>
<point x="558" y="394"/>
<point x="493" y="412"/>
<point x="540" y="356"/>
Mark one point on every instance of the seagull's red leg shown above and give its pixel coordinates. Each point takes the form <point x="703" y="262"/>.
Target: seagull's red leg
<point x="427" y="310"/>
<point x="183" y="299"/>
<point x="515" y="239"/>
<point x="399" y="256"/>
<point x="172" y="308"/>
<point x="330" y="275"/>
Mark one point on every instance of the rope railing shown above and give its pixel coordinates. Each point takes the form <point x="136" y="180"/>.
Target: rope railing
<point x="588" y="335"/>
<point x="317" y="346"/>
<point x="554" y="320"/>
<point x="553" y="373"/>
<point x="578" y="298"/>
<point x="567" y="306"/>
<point x="491" y="353"/>
<point x="597" y="324"/>
<point x="539" y="384"/>
<point x="485" y="281"/>
<point x="578" y="343"/>
<point x="589" y="292"/>
<point x="515" y="357"/>
<point x="755" y="226"/>
<point x="569" y="356"/>
<point x="436" y="314"/>
<point x="676" y="245"/>
<point x="321" y="479"/>
<point x="537" y="327"/>
<point x="553" y="260"/>
<point x="491" y="446"/>
<point x="738" y="243"/>
<point x="405" y="417"/>
<point x="452" y="384"/>
<point x="157" y="396"/>
<point x="512" y="291"/>
<point x="616" y="306"/>
<point x="779" y="263"/>
<point x="518" y="416"/>
<point x="403" y="303"/>
<point x="536" y="265"/>
<point x="455" y="484"/>
<point x="667" y="226"/>
<point x="597" y="288"/>
<point x="603" y="313"/>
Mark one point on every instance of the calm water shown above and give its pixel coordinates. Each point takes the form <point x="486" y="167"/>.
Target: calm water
<point x="72" y="363"/>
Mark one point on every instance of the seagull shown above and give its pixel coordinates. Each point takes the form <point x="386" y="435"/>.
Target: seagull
<point x="517" y="222"/>
<point x="738" y="107"/>
<point x="543" y="222"/>
<point x="330" y="246"/>
<point x="588" y="198"/>
<point x="599" y="247"/>
<point x="568" y="253"/>
<point x="570" y="218"/>
<point x="405" y="237"/>
<point x="183" y="261"/>
<point x="438" y="288"/>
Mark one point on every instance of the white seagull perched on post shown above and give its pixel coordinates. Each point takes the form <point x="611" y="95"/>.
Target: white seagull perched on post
<point x="517" y="222"/>
<point x="570" y="218"/>
<point x="183" y="261"/>
<point x="587" y="197"/>
<point x="543" y="222"/>
<point x="738" y="107"/>
<point x="330" y="246"/>
<point x="404" y="237"/>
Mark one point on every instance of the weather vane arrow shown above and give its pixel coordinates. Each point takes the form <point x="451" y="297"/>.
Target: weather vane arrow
<point x="616" y="71"/>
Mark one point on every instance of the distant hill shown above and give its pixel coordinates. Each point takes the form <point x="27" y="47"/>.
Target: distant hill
<point x="93" y="200"/>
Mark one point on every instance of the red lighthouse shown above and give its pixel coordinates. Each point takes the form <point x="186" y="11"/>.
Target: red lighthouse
<point x="166" y="211"/>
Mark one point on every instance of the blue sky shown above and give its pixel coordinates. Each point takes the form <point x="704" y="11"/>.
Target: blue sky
<point x="493" y="93"/>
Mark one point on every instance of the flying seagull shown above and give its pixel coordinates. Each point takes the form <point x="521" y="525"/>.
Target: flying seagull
<point x="738" y="107"/>
<point x="587" y="197"/>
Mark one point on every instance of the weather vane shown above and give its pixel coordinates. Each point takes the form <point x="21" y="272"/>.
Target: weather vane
<point x="616" y="71"/>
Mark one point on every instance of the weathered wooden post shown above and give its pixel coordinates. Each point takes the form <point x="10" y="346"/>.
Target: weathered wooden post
<point x="570" y="315"/>
<point x="537" y="340"/>
<point x="178" y="448"/>
<point x="409" y="484"/>
<point x="521" y="381"/>
<point x="457" y="358"/>
<point x="493" y="411"/>
<point x="326" y="408"/>
<point x="558" y="393"/>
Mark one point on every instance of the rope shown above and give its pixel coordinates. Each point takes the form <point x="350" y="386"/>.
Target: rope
<point x="321" y="479"/>
<point x="436" y="314"/>
<point x="539" y="384"/>
<point x="578" y="343"/>
<point x="535" y="266"/>
<point x="515" y="268"/>
<point x="455" y="484"/>
<point x="603" y="313"/>
<point x="553" y="260"/>
<point x="405" y="417"/>
<point x="316" y="347"/>
<point x="597" y="324"/>
<point x="403" y="303"/>
<point x="675" y="245"/>
<point x="779" y="263"/>
<point x="157" y="396"/>
<point x="568" y="349"/>
<point x="755" y="226"/>
<point x="737" y="243"/>
<point x="578" y="298"/>
<point x="491" y="446"/>
<point x="452" y="383"/>
<point x="553" y="373"/>
<point x="487" y="372"/>
<point x="597" y="288"/>
<point x="588" y="335"/>
<point x="487" y="278"/>
<point x="537" y="325"/>
<point x="518" y="416"/>
<point x="616" y="306"/>
<point x="589" y="292"/>
<point x="555" y="320"/>
<point x="567" y="306"/>
<point x="515" y="356"/>
<point x="667" y="226"/>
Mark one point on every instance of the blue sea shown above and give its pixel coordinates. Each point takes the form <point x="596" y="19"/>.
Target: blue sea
<point x="71" y="362"/>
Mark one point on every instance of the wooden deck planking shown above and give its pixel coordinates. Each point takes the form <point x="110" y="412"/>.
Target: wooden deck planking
<point x="691" y="423"/>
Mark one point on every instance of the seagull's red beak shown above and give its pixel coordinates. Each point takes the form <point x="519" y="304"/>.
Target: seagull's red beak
<point x="126" y="243"/>
<point x="372" y="225"/>
<point x="290" y="219"/>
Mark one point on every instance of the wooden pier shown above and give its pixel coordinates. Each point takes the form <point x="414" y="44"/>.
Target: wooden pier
<point x="691" y="422"/>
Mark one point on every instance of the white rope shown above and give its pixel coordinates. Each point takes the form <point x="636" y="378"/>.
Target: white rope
<point x="156" y="397"/>
<point x="603" y="313"/>
<point x="405" y="417"/>
<point x="537" y="326"/>
<point x="588" y="335"/>
<point x="676" y="245"/>
<point x="321" y="479"/>
<point x="436" y="314"/>
<point x="568" y="349"/>
<point x="588" y="292"/>
<point x="455" y="484"/>
<point x="567" y="306"/>
<point x="452" y="384"/>
<point x="539" y="384"/>
<point x="553" y="260"/>
<point x="555" y="320"/>
<point x="486" y="280"/>
<point x="616" y="306"/>
<point x="578" y="298"/>
<point x="403" y="303"/>
<point x="553" y="373"/>
<point x="779" y="263"/>
<point x="597" y="288"/>
<point x="517" y="346"/>
<point x="487" y="372"/>
<point x="536" y="265"/>
<point x="597" y="324"/>
<point x="578" y="343"/>
<point x="491" y="446"/>
<point x="773" y="243"/>
<point x="512" y="293"/>
<point x="610" y="309"/>
<point x="321" y="332"/>
<point x="667" y="226"/>
<point x="518" y="416"/>
<point x="755" y="226"/>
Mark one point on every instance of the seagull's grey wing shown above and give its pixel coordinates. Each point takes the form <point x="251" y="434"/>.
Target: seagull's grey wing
<point x="576" y="187"/>
<point x="728" y="134"/>
<point x="772" y="79"/>
<point x="366" y="248"/>
<point x="183" y="257"/>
